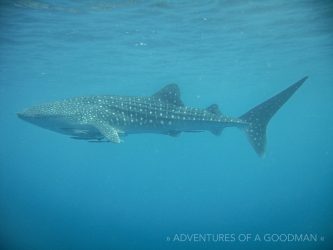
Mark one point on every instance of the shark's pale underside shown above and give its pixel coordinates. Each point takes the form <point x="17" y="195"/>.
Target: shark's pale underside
<point x="108" y="117"/>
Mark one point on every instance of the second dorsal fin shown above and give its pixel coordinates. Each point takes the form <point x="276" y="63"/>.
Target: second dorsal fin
<point x="214" y="108"/>
<point x="170" y="94"/>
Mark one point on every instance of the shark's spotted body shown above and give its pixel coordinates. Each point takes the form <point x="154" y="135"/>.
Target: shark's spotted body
<point x="108" y="118"/>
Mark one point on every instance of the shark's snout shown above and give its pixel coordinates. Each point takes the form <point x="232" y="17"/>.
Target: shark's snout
<point x="29" y="115"/>
<point x="21" y="115"/>
<point x="25" y="116"/>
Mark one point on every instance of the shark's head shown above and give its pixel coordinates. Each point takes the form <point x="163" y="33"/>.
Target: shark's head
<point x="50" y="116"/>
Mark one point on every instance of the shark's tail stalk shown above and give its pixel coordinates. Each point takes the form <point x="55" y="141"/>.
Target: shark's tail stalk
<point x="258" y="117"/>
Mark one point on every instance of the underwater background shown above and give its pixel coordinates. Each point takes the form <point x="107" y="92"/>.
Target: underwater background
<point x="153" y="190"/>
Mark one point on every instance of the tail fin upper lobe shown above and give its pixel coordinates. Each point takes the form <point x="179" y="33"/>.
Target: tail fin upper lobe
<point x="258" y="117"/>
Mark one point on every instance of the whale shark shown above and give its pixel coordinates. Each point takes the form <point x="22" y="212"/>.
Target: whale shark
<point x="109" y="118"/>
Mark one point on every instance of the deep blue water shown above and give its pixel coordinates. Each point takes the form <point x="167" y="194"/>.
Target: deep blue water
<point x="58" y="193"/>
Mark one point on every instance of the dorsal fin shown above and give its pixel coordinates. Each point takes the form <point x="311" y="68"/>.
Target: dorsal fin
<point x="170" y="94"/>
<point x="214" y="108"/>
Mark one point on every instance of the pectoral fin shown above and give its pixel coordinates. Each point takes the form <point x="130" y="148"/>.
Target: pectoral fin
<point x="109" y="132"/>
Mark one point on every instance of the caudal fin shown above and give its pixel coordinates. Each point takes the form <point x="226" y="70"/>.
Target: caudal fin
<point x="258" y="117"/>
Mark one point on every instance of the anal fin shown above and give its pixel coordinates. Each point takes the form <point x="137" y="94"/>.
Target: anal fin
<point x="216" y="131"/>
<point x="173" y="133"/>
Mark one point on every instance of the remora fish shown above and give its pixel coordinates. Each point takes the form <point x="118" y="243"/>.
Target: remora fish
<point x="108" y="117"/>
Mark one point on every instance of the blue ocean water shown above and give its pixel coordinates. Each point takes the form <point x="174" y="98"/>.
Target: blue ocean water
<point x="155" y="191"/>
